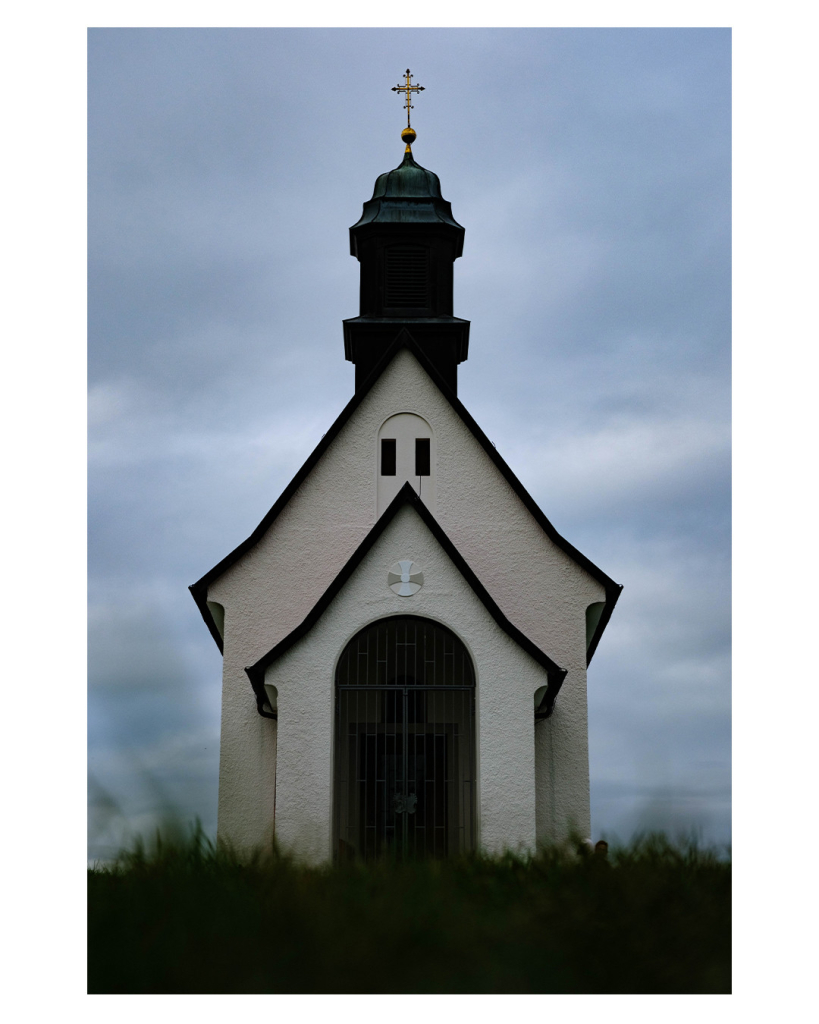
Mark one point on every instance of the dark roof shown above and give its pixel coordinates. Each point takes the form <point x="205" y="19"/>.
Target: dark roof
<point x="407" y="496"/>
<point x="409" y="194"/>
<point x="404" y="339"/>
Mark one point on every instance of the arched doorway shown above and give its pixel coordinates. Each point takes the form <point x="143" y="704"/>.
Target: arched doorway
<point x="405" y="742"/>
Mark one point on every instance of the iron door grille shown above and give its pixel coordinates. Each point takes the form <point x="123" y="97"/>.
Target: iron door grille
<point x="405" y="743"/>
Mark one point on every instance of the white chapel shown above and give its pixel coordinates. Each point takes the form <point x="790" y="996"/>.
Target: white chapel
<point x="405" y="635"/>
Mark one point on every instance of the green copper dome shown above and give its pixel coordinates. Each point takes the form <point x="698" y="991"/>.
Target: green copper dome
<point x="410" y="194"/>
<point x="408" y="180"/>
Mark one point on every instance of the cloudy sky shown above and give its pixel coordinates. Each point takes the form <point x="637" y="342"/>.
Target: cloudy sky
<point x="591" y="170"/>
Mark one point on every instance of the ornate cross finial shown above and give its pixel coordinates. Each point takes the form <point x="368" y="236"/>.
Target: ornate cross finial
<point x="408" y="135"/>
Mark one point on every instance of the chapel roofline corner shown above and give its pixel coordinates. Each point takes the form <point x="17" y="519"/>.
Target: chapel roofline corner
<point x="407" y="496"/>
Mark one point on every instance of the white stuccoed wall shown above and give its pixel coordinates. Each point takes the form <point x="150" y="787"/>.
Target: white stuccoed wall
<point x="270" y="590"/>
<point x="506" y="679"/>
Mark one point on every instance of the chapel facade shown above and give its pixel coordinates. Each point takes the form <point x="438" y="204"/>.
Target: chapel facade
<point x="405" y="635"/>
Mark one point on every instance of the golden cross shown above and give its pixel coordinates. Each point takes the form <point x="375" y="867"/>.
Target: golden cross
<point x="408" y="89"/>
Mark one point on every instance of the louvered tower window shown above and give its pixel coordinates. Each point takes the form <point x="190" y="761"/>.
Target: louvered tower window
<point x="407" y="277"/>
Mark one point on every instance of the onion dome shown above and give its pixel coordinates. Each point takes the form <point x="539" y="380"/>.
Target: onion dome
<point x="409" y="194"/>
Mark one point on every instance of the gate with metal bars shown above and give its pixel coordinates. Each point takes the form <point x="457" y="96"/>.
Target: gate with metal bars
<point x="405" y="743"/>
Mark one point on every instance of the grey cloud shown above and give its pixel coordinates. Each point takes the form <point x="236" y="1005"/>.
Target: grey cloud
<point x="132" y="649"/>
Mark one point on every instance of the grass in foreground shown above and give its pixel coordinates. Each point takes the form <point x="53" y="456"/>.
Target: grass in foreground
<point x="191" y="918"/>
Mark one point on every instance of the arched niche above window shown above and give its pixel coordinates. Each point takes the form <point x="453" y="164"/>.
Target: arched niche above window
<point x="406" y="451"/>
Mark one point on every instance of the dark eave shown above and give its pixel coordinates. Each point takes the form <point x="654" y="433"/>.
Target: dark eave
<point x="404" y="339"/>
<point x="407" y="496"/>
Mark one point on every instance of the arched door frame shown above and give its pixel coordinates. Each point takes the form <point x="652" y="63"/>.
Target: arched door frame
<point x="405" y="741"/>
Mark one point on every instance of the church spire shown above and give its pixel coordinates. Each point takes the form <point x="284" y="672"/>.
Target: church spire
<point x="407" y="241"/>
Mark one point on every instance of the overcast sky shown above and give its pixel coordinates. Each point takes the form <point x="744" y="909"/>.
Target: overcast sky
<point x="591" y="170"/>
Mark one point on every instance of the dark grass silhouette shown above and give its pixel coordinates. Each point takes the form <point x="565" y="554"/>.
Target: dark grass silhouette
<point x="189" y="917"/>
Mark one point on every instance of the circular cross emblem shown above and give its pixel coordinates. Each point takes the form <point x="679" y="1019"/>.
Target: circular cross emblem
<point x="405" y="578"/>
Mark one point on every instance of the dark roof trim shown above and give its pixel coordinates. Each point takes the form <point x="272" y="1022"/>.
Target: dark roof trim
<point x="405" y="340"/>
<point x="407" y="496"/>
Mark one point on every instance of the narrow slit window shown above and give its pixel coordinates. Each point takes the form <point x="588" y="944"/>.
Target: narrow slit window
<point x="422" y="456"/>
<point x="388" y="456"/>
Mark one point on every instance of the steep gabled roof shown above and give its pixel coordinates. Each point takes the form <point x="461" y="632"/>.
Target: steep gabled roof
<point x="407" y="496"/>
<point x="404" y="339"/>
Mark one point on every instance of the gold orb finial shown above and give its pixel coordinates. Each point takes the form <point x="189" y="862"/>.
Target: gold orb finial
<point x="409" y="136"/>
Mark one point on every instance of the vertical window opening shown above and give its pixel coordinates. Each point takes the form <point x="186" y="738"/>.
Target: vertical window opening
<point x="422" y="456"/>
<point x="407" y="276"/>
<point x="388" y="456"/>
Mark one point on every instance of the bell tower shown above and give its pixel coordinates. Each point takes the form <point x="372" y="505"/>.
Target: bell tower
<point x="407" y="242"/>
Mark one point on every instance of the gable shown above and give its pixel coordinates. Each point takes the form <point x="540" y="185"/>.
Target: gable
<point x="541" y="582"/>
<point x="366" y="590"/>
